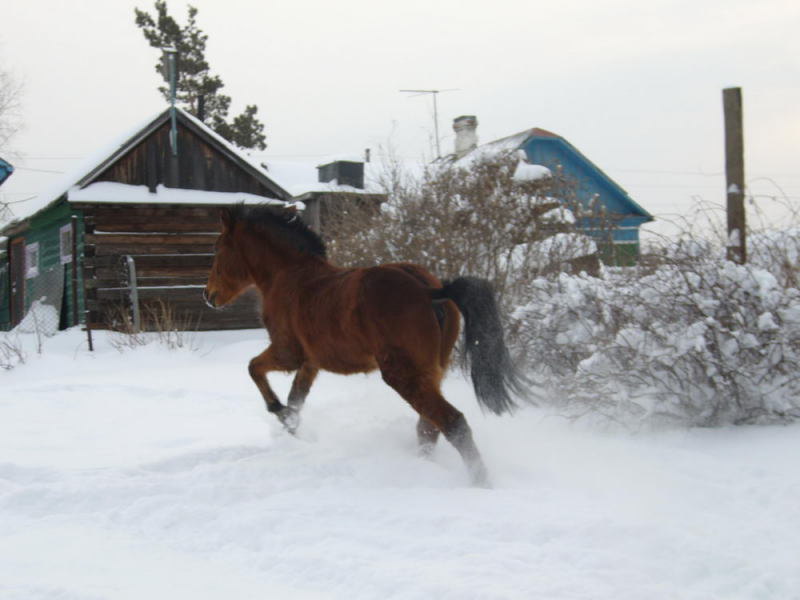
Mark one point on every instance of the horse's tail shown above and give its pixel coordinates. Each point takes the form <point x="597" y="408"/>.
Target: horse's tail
<point x="494" y="376"/>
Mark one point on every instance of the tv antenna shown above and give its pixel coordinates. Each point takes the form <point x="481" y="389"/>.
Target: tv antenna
<point x="433" y="93"/>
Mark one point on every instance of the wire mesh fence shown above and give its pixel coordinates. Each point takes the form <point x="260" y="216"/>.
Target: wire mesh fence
<point x="41" y="303"/>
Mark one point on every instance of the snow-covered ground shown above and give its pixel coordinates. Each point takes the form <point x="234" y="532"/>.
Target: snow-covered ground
<point x="157" y="474"/>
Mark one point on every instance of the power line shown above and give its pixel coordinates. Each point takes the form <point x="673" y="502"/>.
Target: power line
<point x="27" y="157"/>
<point x="668" y="172"/>
<point x="40" y="170"/>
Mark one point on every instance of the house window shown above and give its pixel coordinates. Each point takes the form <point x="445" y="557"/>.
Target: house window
<point x="65" y="236"/>
<point x="32" y="260"/>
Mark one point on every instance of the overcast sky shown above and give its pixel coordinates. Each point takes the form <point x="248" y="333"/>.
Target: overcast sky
<point x="636" y="86"/>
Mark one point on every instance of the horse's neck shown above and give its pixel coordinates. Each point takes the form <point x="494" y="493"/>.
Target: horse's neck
<point x="282" y="265"/>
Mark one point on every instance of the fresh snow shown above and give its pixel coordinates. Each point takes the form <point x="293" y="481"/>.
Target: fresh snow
<point x="56" y="186"/>
<point x="41" y="318"/>
<point x="300" y="178"/>
<point x="528" y="172"/>
<point x="67" y="182"/>
<point x="121" y="193"/>
<point x="155" y="473"/>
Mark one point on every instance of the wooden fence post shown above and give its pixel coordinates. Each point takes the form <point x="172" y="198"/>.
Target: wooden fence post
<point x="734" y="174"/>
<point x="74" y="278"/>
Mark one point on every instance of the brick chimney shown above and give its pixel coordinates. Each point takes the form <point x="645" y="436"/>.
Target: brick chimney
<point x="465" y="127"/>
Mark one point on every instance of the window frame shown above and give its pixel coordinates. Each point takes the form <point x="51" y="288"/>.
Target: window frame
<point x="65" y="253"/>
<point x="31" y="264"/>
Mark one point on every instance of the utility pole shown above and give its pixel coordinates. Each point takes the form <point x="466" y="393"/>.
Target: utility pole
<point x="433" y="93"/>
<point x="734" y="174"/>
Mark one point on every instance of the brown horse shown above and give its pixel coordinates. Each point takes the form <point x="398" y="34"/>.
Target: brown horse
<point x="397" y="318"/>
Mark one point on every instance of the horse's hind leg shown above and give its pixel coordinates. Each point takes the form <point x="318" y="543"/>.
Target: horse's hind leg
<point x="427" y="435"/>
<point x="458" y="432"/>
<point x="423" y="394"/>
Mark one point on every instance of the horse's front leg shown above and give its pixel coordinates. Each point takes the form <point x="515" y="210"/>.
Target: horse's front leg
<point x="303" y="379"/>
<point x="275" y="359"/>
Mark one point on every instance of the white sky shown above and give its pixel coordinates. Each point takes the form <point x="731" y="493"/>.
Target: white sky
<point x="636" y="86"/>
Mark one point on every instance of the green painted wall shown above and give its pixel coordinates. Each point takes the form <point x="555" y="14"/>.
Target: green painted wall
<point x="618" y="255"/>
<point x="5" y="285"/>
<point x="44" y="229"/>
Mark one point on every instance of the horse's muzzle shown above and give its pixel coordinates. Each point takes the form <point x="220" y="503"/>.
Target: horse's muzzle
<point x="209" y="300"/>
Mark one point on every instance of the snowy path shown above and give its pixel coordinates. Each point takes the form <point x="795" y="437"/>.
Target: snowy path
<point x="157" y="474"/>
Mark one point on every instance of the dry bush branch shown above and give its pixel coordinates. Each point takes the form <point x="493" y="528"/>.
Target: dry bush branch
<point x="11" y="352"/>
<point x="456" y="220"/>
<point x="163" y="323"/>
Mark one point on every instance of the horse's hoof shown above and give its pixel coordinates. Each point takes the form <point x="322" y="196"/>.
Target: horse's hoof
<point x="480" y="476"/>
<point x="290" y="419"/>
<point x="483" y="483"/>
<point x="425" y="450"/>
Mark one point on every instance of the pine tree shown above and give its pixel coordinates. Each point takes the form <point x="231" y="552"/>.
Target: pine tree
<point x="197" y="90"/>
<point x="246" y="131"/>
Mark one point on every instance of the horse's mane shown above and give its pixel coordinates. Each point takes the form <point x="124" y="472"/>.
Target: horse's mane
<point x="288" y="226"/>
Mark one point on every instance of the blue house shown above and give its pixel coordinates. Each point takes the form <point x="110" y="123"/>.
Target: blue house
<point x="5" y="170"/>
<point x="610" y="215"/>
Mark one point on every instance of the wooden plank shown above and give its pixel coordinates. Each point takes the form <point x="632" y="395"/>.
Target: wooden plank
<point x="200" y="280"/>
<point x="177" y="261"/>
<point x="143" y="282"/>
<point x="202" y="326"/>
<point x="105" y="210"/>
<point x="150" y="239"/>
<point x="188" y="295"/>
<point x="135" y="217"/>
<point x="148" y="226"/>
<point x="176" y="272"/>
<point x="147" y="249"/>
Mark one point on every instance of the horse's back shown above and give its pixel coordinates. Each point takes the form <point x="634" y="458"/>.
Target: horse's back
<point x="396" y="301"/>
<point x="347" y="319"/>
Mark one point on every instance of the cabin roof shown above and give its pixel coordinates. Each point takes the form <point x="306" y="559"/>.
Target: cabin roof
<point x="93" y="166"/>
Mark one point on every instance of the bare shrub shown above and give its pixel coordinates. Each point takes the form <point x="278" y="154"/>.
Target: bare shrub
<point x="174" y="328"/>
<point x="122" y="332"/>
<point x="164" y="324"/>
<point x="694" y="339"/>
<point x="11" y="352"/>
<point x="480" y="219"/>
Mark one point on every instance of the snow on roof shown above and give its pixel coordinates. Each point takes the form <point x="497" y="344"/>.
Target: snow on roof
<point x="52" y="192"/>
<point x="300" y="178"/>
<point x="111" y="192"/>
<point x="504" y="145"/>
<point x="61" y="185"/>
<point x="526" y="171"/>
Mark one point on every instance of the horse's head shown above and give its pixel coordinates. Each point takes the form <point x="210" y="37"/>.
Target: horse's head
<point x="229" y="276"/>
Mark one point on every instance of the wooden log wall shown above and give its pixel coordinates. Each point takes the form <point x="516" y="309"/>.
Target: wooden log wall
<point x="172" y="247"/>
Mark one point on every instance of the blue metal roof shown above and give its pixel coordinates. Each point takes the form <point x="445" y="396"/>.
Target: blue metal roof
<point x="556" y="153"/>
<point x="6" y="169"/>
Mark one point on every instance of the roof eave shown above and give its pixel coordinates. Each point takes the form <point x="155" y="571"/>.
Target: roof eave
<point x="123" y="149"/>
